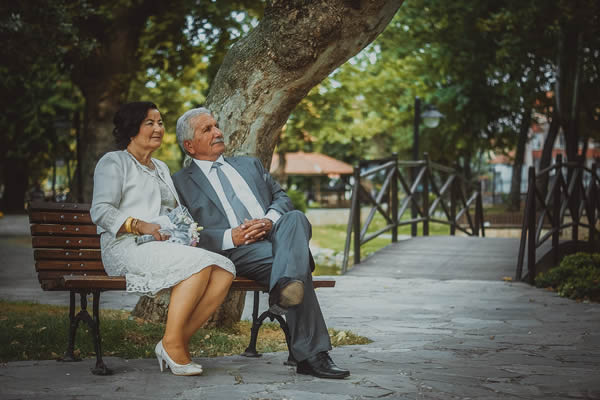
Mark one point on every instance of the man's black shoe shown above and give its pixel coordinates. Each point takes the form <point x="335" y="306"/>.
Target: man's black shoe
<point x="287" y="293"/>
<point x="321" y="366"/>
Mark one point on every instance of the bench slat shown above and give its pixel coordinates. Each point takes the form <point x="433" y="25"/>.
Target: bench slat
<point x="67" y="255"/>
<point x="63" y="230"/>
<point x="45" y="217"/>
<point x="67" y="266"/>
<point x="66" y="242"/>
<point x="43" y="205"/>
<point x="58" y="275"/>
<point x="119" y="283"/>
<point x="95" y="282"/>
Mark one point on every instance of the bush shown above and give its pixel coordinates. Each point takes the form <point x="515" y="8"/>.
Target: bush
<point x="298" y="199"/>
<point x="577" y="277"/>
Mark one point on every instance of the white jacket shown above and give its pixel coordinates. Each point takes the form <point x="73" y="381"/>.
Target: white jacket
<point x="124" y="188"/>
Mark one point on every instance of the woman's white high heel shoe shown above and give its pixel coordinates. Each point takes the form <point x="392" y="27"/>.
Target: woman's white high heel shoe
<point x="177" y="369"/>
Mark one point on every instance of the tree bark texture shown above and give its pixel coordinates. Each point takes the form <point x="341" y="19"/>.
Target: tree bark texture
<point x="16" y="180"/>
<point x="155" y="309"/>
<point x="296" y="45"/>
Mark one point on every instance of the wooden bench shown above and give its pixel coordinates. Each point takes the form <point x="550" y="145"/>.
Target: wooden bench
<point x="67" y="258"/>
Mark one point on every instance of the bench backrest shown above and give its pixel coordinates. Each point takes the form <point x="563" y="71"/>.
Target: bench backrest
<point x="65" y="242"/>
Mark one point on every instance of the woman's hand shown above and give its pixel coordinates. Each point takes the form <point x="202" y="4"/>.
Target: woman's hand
<point x="146" y="228"/>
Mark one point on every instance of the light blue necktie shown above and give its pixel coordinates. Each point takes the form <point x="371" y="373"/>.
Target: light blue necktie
<point x="241" y="212"/>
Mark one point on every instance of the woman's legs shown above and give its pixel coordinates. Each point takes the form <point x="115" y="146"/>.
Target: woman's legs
<point x="185" y="296"/>
<point x="218" y="286"/>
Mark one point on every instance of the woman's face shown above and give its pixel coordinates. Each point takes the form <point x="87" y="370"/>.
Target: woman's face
<point x="151" y="132"/>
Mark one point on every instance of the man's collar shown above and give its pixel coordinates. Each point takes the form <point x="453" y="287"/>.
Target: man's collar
<point x="206" y="165"/>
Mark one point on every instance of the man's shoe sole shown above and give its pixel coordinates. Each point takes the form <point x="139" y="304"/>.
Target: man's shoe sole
<point x="292" y="294"/>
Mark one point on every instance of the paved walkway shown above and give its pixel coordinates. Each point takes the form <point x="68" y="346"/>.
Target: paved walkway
<point x="476" y="337"/>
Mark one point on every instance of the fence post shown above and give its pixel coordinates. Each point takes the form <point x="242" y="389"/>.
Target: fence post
<point x="479" y="211"/>
<point x="453" y="206"/>
<point x="394" y="200"/>
<point x="413" y="207"/>
<point x="592" y="207"/>
<point x="531" y="235"/>
<point x="426" y="178"/>
<point x="556" y="210"/>
<point x="356" y="216"/>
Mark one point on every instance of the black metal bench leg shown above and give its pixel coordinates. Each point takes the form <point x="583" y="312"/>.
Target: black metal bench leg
<point x="94" y="324"/>
<point x="256" y="323"/>
<point x="73" y="323"/>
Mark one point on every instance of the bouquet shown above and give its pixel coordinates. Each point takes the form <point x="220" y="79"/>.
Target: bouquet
<point x="179" y="224"/>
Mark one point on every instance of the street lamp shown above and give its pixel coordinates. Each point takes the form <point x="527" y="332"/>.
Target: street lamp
<point x="431" y="118"/>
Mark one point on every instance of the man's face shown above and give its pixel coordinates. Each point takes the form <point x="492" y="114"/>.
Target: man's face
<point x="207" y="143"/>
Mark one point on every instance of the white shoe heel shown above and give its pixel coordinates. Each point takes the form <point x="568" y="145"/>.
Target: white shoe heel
<point x="177" y="369"/>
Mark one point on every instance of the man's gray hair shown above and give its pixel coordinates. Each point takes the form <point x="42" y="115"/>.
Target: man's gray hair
<point x="184" y="130"/>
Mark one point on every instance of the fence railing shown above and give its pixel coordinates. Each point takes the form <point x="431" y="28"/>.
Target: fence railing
<point x="564" y="195"/>
<point x="432" y="192"/>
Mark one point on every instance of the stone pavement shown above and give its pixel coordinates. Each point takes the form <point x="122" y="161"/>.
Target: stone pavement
<point x="432" y="339"/>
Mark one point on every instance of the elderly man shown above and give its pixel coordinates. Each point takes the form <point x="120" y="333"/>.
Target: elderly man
<point x="250" y="219"/>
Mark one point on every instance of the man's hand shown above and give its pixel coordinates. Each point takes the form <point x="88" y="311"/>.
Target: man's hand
<point x="251" y="231"/>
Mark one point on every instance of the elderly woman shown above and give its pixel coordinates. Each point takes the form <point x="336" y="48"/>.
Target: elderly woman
<point x="132" y="189"/>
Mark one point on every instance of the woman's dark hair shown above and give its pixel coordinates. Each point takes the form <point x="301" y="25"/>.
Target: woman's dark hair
<point x="128" y="120"/>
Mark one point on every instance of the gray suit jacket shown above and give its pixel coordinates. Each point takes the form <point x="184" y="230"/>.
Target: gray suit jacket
<point x="197" y="194"/>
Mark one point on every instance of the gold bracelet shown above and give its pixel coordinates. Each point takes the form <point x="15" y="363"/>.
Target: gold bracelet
<point x="134" y="226"/>
<point x="128" y="224"/>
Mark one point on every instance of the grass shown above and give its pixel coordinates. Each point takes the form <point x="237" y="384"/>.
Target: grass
<point x="31" y="331"/>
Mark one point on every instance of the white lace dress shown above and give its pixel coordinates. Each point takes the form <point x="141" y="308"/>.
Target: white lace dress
<point x="152" y="266"/>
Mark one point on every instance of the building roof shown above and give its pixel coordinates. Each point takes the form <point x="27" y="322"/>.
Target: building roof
<point x="302" y="163"/>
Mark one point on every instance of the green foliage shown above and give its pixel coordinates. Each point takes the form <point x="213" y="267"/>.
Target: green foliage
<point x="577" y="277"/>
<point x="298" y="199"/>
<point x="36" y="94"/>
<point x="30" y="331"/>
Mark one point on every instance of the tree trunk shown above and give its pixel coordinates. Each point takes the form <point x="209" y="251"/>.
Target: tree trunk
<point x="551" y="136"/>
<point x="16" y="181"/>
<point x="296" y="45"/>
<point x="279" y="174"/>
<point x="514" y="200"/>
<point x="104" y="79"/>
<point x="567" y="85"/>
<point x="546" y="157"/>
<point x="155" y="309"/>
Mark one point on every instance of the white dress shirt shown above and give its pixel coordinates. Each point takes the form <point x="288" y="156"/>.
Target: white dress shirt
<point x="242" y="191"/>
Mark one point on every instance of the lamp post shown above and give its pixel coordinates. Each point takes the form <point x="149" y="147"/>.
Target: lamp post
<point x="431" y="118"/>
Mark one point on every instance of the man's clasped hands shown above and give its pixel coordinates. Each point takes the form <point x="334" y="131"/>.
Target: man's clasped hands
<point x="252" y="230"/>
